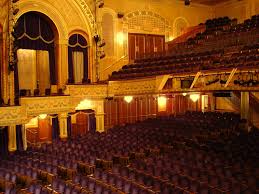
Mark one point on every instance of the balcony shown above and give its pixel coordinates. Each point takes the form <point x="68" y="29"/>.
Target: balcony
<point x="12" y="115"/>
<point x="46" y="104"/>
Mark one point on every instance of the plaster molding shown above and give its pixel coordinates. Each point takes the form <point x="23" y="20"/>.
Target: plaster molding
<point x="133" y="87"/>
<point x="46" y="105"/>
<point x="13" y="115"/>
<point x="87" y="91"/>
<point x="47" y="9"/>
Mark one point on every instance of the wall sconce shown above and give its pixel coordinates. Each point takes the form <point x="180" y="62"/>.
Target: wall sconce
<point x="96" y="38"/>
<point x="184" y="94"/>
<point x="102" y="55"/>
<point x="15" y="11"/>
<point x="101" y="4"/>
<point x="161" y="100"/>
<point x="195" y="97"/>
<point x="120" y="15"/>
<point x="120" y="38"/>
<point x="128" y="99"/>
<point x="11" y="67"/>
<point x="102" y="44"/>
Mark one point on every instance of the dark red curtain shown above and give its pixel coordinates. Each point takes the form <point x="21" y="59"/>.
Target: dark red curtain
<point x="3" y="142"/>
<point x="19" y="140"/>
<point x="34" y="31"/>
<point x="55" y="128"/>
<point x="77" y="43"/>
<point x="69" y="126"/>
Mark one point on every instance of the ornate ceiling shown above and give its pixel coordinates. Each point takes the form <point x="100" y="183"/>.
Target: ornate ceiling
<point x="209" y="2"/>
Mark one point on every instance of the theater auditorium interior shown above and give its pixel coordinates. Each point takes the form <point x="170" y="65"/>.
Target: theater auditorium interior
<point x="129" y="96"/>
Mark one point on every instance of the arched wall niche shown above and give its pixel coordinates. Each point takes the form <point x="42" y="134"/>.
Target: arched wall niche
<point x="180" y="23"/>
<point x="114" y="23"/>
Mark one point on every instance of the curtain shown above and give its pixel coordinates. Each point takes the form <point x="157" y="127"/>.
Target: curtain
<point x="27" y="69"/>
<point x="92" y="123"/>
<point x="43" y="73"/>
<point x="33" y="69"/>
<point x="33" y="31"/>
<point x="19" y="138"/>
<point x="69" y="126"/>
<point x="78" y="66"/>
<point x="55" y="128"/>
<point x="3" y="142"/>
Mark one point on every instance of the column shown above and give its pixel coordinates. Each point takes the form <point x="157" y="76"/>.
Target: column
<point x="62" y="125"/>
<point x="62" y="62"/>
<point x="24" y="137"/>
<point x="99" y="115"/>
<point x="12" y="138"/>
<point x="100" y="122"/>
<point x="212" y="102"/>
<point x="244" y="105"/>
<point x="4" y="70"/>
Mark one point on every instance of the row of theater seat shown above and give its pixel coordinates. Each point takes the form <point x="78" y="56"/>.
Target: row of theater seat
<point x="217" y="59"/>
<point x="162" y="155"/>
<point x="210" y="50"/>
<point x="36" y="92"/>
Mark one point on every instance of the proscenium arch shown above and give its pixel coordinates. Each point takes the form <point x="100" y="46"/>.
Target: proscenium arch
<point x="41" y="37"/>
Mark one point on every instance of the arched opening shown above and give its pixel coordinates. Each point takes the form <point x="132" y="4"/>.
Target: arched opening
<point x="78" y="60"/>
<point x="35" y="70"/>
<point x="180" y="26"/>
<point x="81" y="122"/>
<point x="41" y="129"/>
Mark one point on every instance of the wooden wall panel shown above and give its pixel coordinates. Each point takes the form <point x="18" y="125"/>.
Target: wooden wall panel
<point x="82" y="123"/>
<point x="45" y="130"/>
<point x="132" y="47"/>
<point x="141" y="45"/>
<point x="119" y="112"/>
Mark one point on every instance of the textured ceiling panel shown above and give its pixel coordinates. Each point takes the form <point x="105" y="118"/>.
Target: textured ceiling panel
<point x="209" y="2"/>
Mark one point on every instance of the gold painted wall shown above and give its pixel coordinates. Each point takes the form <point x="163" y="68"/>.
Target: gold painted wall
<point x="241" y="10"/>
<point x="170" y="12"/>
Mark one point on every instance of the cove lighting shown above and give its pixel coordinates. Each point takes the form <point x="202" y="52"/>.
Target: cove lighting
<point x="43" y="116"/>
<point x="195" y="97"/>
<point x="161" y="100"/>
<point x="84" y="104"/>
<point x="120" y="38"/>
<point x="128" y="99"/>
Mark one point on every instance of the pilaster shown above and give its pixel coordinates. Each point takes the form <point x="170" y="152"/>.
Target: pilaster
<point x="63" y="125"/>
<point x="12" y="138"/>
<point x="244" y="106"/>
